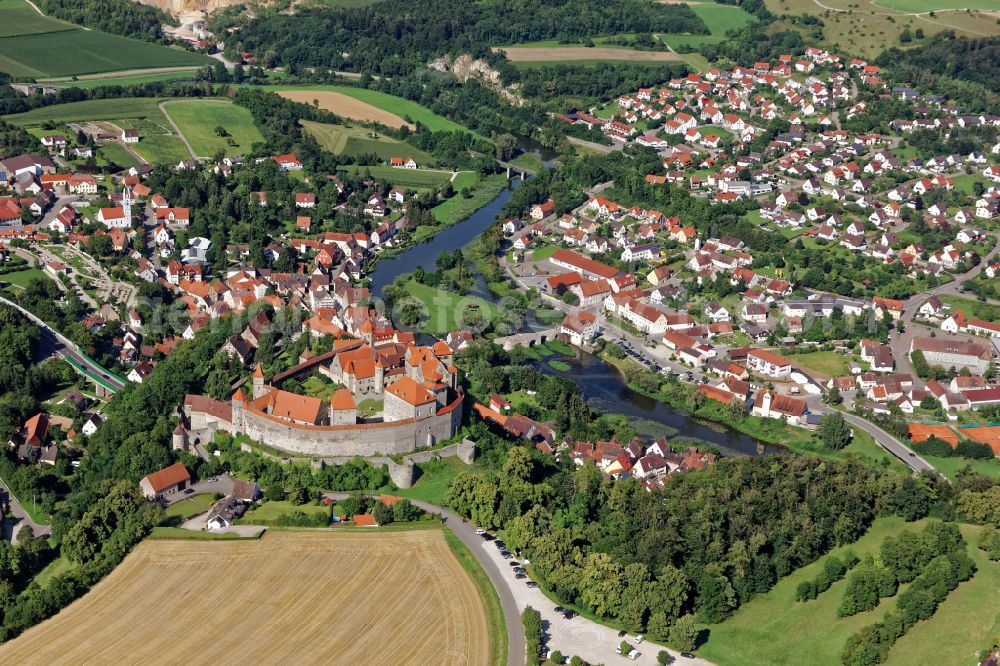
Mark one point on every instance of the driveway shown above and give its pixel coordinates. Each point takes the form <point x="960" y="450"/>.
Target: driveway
<point x="21" y="518"/>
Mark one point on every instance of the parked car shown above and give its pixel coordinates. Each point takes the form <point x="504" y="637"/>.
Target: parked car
<point x="569" y="614"/>
<point x="480" y="532"/>
<point x="532" y="585"/>
<point x="520" y="576"/>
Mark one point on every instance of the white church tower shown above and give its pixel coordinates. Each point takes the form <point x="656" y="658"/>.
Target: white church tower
<point x="127" y="205"/>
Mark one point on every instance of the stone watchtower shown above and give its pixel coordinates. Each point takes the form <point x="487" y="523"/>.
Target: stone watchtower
<point x="180" y="442"/>
<point x="258" y="381"/>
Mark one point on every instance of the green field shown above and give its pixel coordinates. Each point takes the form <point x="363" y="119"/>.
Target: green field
<point x="457" y="208"/>
<point x="162" y="149"/>
<point x="197" y="120"/>
<point x="721" y="18"/>
<point x="190" y="506"/>
<point x="414" y="178"/>
<point x="534" y="64"/>
<point x="950" y="466"/>
<point x="543" y="252"/>
<point x="56" y="567"/>
<point x="271" y="511"/>
<point x="406" y="109"/>
<point x="445" y="307"/>
<point x="828" y="363"/>
<point x="94" y="109"/>
<point x="20" y="279"/>
<point x="435" y="477"/>
<point x="125" y="80"/>
<point x="775" y="629"/>
<point x="38" y="46"/>
<point x="354" y="141"/>
<point x="20" y="19"/>
<point x="464" y="179"/>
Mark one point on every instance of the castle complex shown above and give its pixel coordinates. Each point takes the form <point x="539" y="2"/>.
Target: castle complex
<point x="417" y="384"/>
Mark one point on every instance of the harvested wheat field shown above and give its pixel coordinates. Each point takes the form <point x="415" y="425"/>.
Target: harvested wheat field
<point x="570" y="53"/>
<point x="346" y="106"/>
<point x="289" y="598"/>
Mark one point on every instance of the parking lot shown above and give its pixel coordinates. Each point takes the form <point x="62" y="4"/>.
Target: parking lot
<point x="592" y="642"/>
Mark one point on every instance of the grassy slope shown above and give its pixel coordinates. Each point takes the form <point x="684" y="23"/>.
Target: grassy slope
<point x="444" y="307"/>
<point x="774" y="629"/>
<point x="127" y="80"/>
<point x="95" y="109"/>
<point x="354" y="141"/>
<point x="457" y="208"/>
<point x="197" y="119"/>
<point x="405" y="177"/>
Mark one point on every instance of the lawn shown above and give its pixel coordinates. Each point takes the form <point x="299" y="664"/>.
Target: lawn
<point x="190" y="506"/>
<point x="417" y="178"/>
<point x="720" y="19"/>
<point x="950" y="466"/>
<point x="543" y="252"/>
<point x="464" y="179"/>
<point x="272" y="510"/>
<point x="972" y="308"/>
<point x="528" y="161"/>
<point x="45" y="54"/>
<point x="826" y="363"/>
<point x="177" y="533"/>
<point x="774" y="629"/>
<point x="404" y="108"/>
<point x="20" y="279"/>
<point x="435" y="477"/>
<point x="368" y="408"/>
<point x="94" y="109"/>
<point x="862" y="448"/>
<point x="198" y="119"/>
<point x="318" y="387"/>
<point x="354" y="141"/>
<point x="444" y="309"/>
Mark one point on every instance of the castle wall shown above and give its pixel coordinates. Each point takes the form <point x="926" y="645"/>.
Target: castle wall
<point x="366" y="439"/>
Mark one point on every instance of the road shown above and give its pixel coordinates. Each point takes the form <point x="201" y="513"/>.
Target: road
<point x="163" y="110"/>
<point x="56" y="342"/>
<point x="599" y="147"/>
<point x="22" y="518"/>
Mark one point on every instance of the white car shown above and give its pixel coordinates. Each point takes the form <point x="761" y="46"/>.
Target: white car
<point x="480" y="532"/>
<point x="640" y="638"/>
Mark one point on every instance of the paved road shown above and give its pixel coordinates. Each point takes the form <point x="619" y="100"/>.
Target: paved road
<point x="58" y="343"/>
<point x="22" y="519"/>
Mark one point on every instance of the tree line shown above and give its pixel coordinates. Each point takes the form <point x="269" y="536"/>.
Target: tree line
<point x="119" y="17"/>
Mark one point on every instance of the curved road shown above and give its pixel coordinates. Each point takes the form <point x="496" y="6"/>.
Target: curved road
<point x="56" y="342"/>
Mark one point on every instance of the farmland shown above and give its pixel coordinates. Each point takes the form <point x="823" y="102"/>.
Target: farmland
<point x="197" y="120"/>
<point x="354" y="141"/>
<point x="127" y="80"/>
<point x="36" y="46"/>
<point x="393" y="597"/>
<point x="775" y="629"/>
<point x="347" y="107"/>
<point x="397" y="106"/>
<point x="95" y="109"/>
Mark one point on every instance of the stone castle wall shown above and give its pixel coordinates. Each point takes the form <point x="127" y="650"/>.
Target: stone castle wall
<point x="364" y="439"/>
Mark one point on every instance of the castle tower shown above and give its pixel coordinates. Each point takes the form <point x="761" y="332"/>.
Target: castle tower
<point x="238" y="400"/>
<point x="343" y="411"/>
<point x="258" y="381"/>
<point x="180" y="438"/>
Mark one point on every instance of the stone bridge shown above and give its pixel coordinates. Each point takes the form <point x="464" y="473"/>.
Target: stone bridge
<point x="529" y="339"/>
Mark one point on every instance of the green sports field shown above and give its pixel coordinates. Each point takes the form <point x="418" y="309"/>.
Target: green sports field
<point x="198" y="118"/>
<point x="354" y="141"/>
<point x="415" y="178"/>
<point x="33" y="45"/>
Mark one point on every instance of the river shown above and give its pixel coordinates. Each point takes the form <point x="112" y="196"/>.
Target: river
<point x="600" y="382"/>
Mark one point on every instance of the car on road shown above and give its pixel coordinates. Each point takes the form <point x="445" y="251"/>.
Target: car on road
<point x="504" y="554"/>
<point x="520" y="576"/>
<point x="621" y="634"/>
<point x="568" y="614"/>
<point x="189" y="491"/>
<point x="558" y="609"/>
<point x="488" y="537"/>
<point x="687" y="655"/>
<point x="480" y="531"/>
<point x="640" y="638"/>
<point x="519" y="570"/>
<point x="532" y="585"/>
<point x="213" y="480"/>
<point x="515" y="563"/>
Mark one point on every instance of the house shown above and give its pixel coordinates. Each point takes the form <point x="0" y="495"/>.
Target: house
<point x="579" y="328"/>
<point x="130" y="135"/>
<point x="542" y="210"/>
<point x="115" y="217"/>
<point x="772" y="405"/>
<point x="956" y="353"/>
<point x="287" y="162"/>
<point x="768" y="363"/>
<point x="403" y="163"/>
<point x="305" y="200"/>
<point x="167" y="481"/>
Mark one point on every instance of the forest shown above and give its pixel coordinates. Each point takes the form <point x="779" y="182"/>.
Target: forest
<point x="397" y="36"/>
<point x="119" y="17"/>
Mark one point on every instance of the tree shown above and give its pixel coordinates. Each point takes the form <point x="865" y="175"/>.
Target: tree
<point x="664" y="658"/>
<point x="911" y="500"/>
<point x="683" y="634"/>
<point x="833" y="431"/>
<point x="506" y="146"/>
